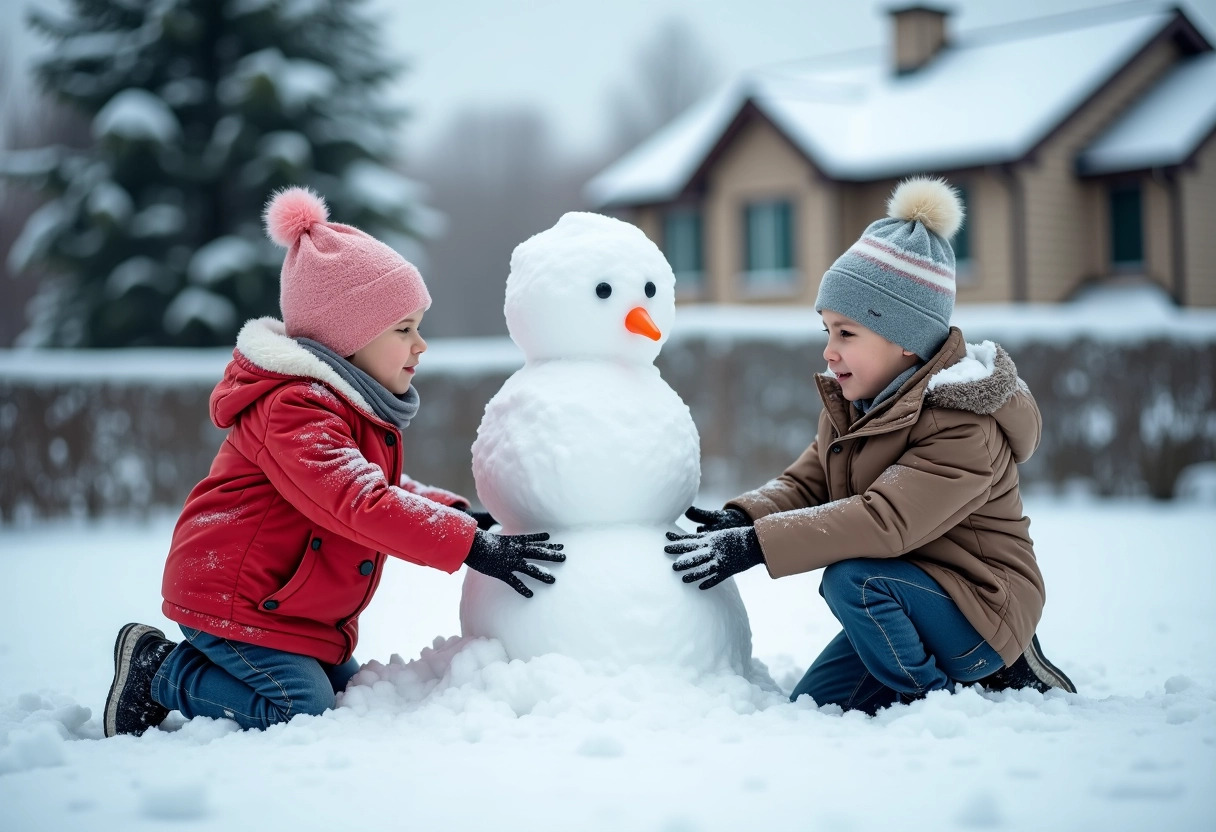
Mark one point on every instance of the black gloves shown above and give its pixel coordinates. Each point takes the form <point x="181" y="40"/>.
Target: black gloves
<point x="715" y="521"/>
<point x="501" y="556"/>
<point x="715" y="555"/>
<point x="484" y="519"/>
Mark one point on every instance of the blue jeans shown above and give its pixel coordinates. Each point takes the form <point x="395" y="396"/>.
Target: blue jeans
<point x="206" y="675"/>
<point x="902" y="638"/>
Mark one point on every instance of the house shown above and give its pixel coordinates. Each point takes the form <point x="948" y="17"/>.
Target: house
<point x="1083" y="145"/>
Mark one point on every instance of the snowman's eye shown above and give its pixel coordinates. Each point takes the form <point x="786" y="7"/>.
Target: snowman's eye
<point x="603" y="290"/>
<point x="650" y="290"/>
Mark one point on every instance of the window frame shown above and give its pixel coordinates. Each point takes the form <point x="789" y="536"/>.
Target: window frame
<point x="780" y="279"/>
<point x="965" y="273"/>
<point x="688" y="283"/>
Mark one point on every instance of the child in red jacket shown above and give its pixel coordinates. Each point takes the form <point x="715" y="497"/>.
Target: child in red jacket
<point x="282" y="545"/>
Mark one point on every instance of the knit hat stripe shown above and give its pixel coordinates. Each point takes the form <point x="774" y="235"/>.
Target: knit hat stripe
<point x="911" y="256"/>
<point x="890" y="271"/>
<point x="899" y="266"/>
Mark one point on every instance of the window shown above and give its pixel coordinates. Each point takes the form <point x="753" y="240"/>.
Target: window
<point x="768" y="245"/>
<point x="683" y="247"/>
<point x="961" y="242"/>
<point x="1126" y="232"/>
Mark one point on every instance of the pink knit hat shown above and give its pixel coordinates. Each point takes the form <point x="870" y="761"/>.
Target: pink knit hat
<point x="339" y="285"/>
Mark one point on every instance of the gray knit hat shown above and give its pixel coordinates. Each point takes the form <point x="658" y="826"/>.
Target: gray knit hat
<point x="898" y="278"/>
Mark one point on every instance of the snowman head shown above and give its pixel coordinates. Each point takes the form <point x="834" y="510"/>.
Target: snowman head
<point x="590" y="287"/>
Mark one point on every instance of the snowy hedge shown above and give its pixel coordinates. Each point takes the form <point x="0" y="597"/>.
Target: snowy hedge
<point x="92" y="433"/>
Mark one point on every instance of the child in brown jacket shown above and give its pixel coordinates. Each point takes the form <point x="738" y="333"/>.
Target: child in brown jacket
<point x="908" y="497"/>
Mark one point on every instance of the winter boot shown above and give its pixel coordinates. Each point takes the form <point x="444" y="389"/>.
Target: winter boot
<point x="1031" y="670"/>
<point x="138" y="653"/>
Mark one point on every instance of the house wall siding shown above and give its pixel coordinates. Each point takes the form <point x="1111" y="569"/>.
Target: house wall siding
<point x="1157" y="221"/>
<point x="1058" y="205"/>
<point x="818" y="228"/>
<point x="1095" y="227"/>
<point x="861" y="204"/>
<point x="761" y="164"/>
<point x="1198" y="197"/>
<point x="650" y="220"/>
<point x="989" y="277"/>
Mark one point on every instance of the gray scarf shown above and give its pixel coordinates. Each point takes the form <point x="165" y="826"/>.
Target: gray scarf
<point x="396" y="410"/>
<point x="866" y="405"/>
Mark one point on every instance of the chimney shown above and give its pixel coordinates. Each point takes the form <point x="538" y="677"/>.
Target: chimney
<point x="920" y="32"/>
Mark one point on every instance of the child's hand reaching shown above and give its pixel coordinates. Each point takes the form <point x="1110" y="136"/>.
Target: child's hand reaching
<point x="715" y="555"/>
<point x="715" y="521"/>
<point x="501" y="556"/>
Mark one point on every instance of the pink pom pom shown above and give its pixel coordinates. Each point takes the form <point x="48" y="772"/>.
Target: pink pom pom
<point x="291" y="212"/>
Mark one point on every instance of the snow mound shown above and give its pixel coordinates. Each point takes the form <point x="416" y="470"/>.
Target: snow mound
<point x="1197" y="483"/>
<point x="472" y="679"/>
<point x="33" y="731"/>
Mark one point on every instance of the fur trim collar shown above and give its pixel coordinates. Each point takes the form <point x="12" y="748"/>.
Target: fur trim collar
<point x="981" y="382"/>
<point x="264" y="342"/>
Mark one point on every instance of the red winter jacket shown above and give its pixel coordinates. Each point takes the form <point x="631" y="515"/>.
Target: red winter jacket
<point x="283" y="543"/>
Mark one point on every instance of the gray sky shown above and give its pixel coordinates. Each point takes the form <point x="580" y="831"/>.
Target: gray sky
<point x="564" y="57"/>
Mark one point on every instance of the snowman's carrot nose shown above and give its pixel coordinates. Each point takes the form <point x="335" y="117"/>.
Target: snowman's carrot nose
<point x="639" y="322"/>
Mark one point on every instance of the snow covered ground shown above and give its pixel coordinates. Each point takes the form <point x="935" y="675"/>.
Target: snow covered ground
<point x="460" y="739"/>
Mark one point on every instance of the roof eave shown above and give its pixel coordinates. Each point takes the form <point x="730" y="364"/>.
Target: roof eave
<point x="748" y="111"/>
<point x="1179" y="26"/>
<point x="1177" y="162"/>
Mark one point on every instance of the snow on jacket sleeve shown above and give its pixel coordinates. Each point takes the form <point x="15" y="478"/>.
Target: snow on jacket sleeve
<point x="311" y="457"/>
<point x="433" y="492"/>
<point x="933" y="486"/>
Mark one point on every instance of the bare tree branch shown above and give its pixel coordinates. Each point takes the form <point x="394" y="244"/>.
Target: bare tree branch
<point x="673" y="71"/>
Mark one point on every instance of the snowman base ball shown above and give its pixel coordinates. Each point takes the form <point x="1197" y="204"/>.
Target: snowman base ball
<point x="617" y="603"/>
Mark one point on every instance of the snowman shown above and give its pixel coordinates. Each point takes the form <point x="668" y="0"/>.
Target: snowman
<point x="587" y="442"/>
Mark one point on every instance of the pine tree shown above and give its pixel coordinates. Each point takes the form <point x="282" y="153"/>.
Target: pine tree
<point x="200" y="109"/>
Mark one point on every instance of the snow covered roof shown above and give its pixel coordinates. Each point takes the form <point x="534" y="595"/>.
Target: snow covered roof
<point x="1164" y="127"/>
<point x="989" y="96"/>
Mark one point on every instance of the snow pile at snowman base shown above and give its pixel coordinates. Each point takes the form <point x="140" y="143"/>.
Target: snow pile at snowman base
<point x="463" y="676"/>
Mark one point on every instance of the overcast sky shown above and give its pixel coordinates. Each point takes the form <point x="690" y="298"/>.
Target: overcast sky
<point x="564" y="57"/>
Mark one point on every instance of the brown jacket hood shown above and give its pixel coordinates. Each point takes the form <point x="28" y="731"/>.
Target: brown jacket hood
<point x="930" y="474"/>
<point x="985" y="382"/>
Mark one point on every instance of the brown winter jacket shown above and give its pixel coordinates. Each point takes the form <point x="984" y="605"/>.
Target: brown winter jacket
<point x="930" y="475"/>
